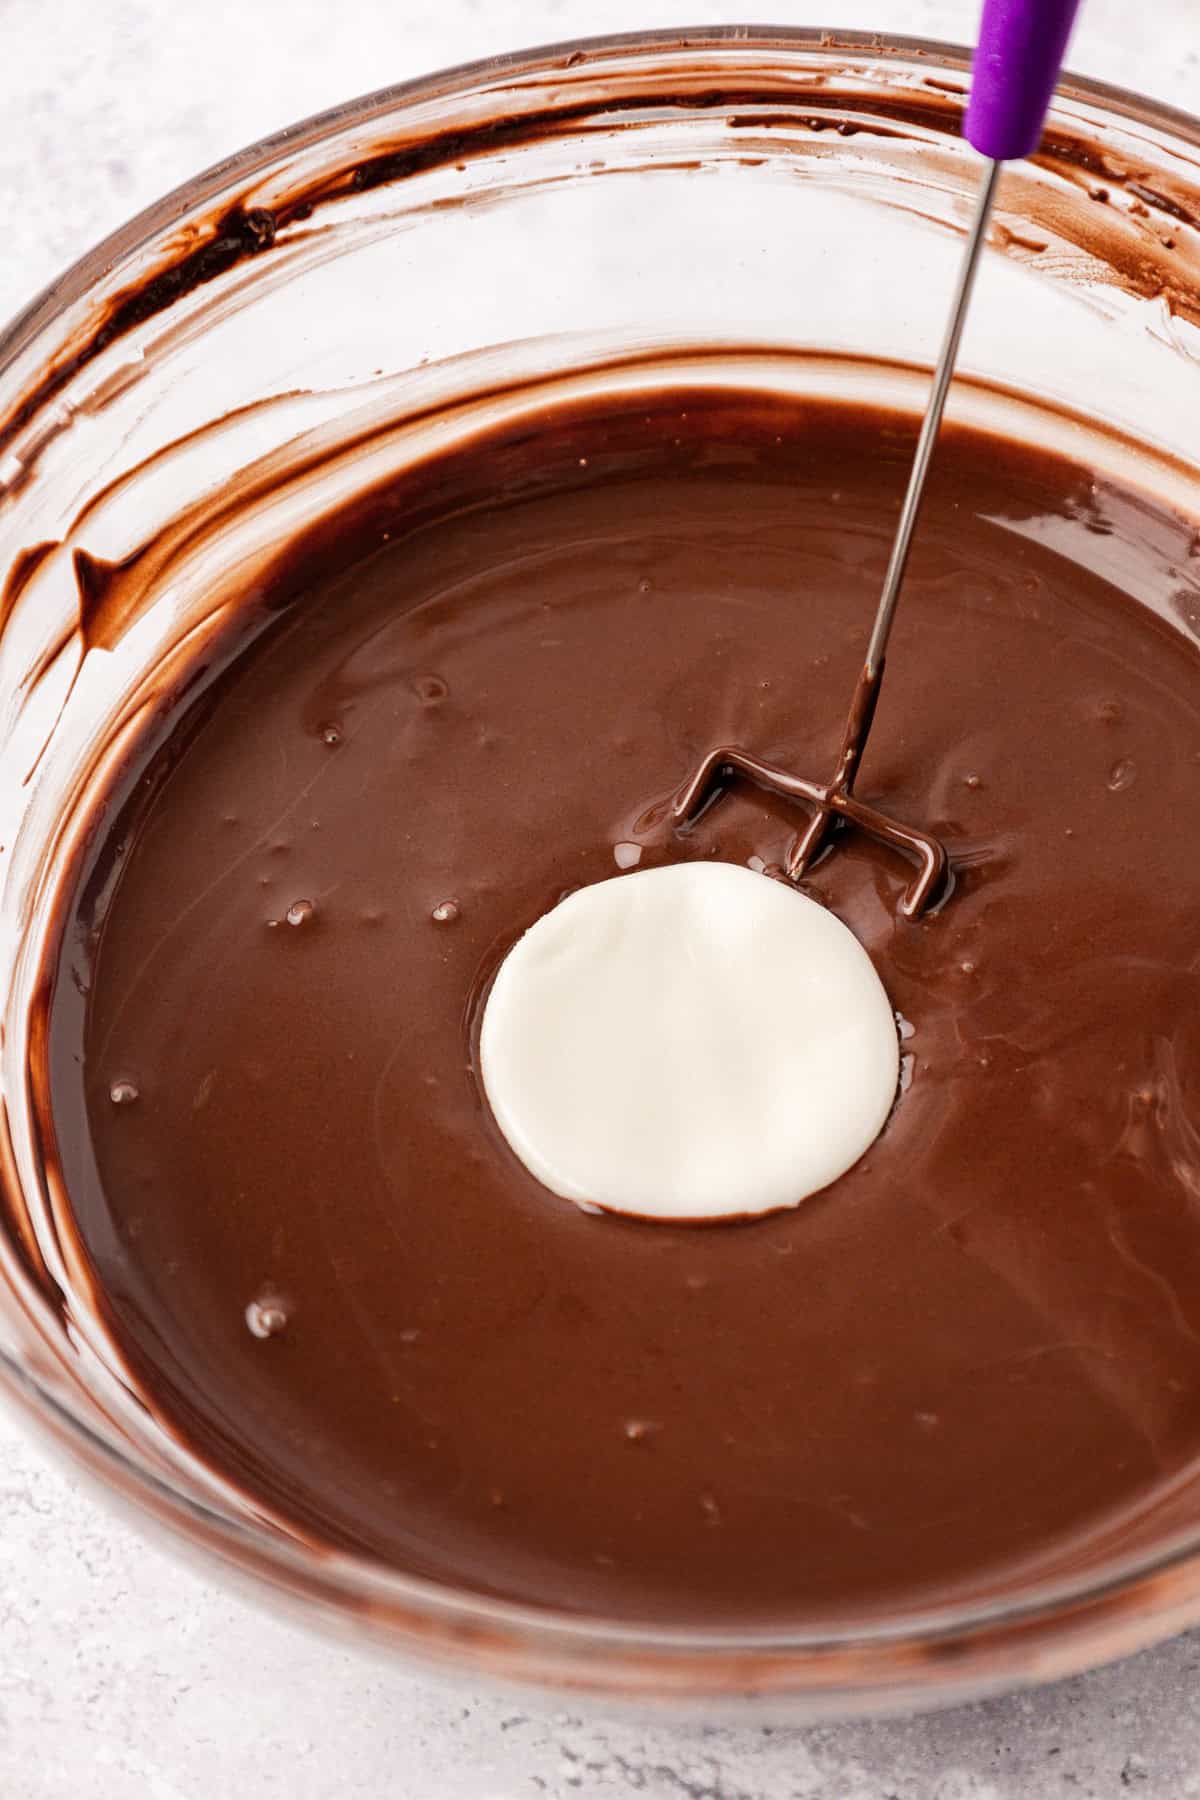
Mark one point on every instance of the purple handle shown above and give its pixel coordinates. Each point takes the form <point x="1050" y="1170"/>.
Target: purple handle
<point x="1021" y="48"/>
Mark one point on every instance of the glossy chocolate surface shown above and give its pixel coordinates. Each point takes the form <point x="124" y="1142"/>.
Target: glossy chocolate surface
<point x="947" y="1373"/>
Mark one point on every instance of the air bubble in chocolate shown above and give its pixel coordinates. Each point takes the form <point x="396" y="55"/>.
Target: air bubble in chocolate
<point x="266" y="1318"/>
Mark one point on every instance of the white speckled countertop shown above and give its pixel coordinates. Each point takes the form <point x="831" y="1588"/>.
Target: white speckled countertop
<point x="123" y="1676"/>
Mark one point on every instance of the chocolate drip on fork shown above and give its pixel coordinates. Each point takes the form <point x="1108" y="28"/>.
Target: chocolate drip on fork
<point x="834" y="802"/>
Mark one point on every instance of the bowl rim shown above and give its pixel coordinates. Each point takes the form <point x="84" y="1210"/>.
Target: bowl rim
<point x="588" y="1652"/>
<point x="872" y="46"/>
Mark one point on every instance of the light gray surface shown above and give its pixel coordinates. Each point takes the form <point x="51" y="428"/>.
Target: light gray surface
<point x="122" y="1675"/>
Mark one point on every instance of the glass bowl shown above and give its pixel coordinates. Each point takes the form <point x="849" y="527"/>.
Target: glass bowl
<point x="750" y="206"/>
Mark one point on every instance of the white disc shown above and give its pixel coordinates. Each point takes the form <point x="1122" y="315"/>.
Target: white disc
<point x="689" y="1042"/>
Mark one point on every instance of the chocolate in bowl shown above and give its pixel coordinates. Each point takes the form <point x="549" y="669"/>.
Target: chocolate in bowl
<point x="156" y="572"/>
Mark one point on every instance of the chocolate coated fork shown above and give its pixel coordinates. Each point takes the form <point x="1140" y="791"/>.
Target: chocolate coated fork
<point x="1021" y="47"/>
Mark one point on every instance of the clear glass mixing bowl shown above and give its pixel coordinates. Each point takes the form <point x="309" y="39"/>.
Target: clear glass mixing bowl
<point x="748" y="206"/>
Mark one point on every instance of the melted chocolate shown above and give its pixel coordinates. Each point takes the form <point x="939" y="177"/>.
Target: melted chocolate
<point x="963" y="1366"/>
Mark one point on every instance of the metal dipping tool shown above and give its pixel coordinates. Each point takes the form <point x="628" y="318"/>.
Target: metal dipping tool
<point x="1016" y="66"/>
